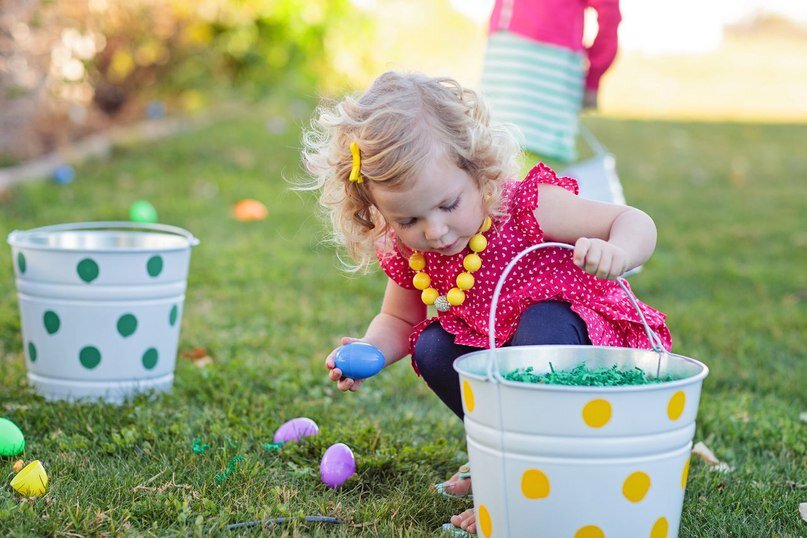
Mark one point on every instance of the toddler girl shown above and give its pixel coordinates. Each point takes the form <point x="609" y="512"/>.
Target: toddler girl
<point x="413" y="174"/>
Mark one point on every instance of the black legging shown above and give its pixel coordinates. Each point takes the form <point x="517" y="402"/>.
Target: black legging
<point x="544" y="323"/>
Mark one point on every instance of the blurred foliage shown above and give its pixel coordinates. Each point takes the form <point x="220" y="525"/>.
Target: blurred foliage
<point x="107" y="52"/>
<point x="195" y="47"/>
<point x="69" y="68"/>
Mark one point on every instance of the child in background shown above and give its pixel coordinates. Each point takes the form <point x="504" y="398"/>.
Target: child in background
<point x="412" y="174"/>
<point x="538" y="74"/>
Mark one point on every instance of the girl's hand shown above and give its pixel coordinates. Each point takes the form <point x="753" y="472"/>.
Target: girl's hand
<point x="343" y="383"/>
<point x="600" y="258"/>
<point x="590" y="100"/>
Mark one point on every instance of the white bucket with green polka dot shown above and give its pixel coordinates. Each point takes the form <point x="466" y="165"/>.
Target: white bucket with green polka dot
<point x="101" y="304"/>
<point x="572" y="461"/>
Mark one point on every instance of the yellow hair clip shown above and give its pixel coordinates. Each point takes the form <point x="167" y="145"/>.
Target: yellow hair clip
<point x="355" y="172"/>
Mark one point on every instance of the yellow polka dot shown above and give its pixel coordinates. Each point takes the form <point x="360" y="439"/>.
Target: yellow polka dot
<point x="684" y="475"/>
<point x="597" y="413"/>
<point x="636" y="486"/>
<point x="660" y="528"/>
<point x="589" y="531"/>
<point x="676" y="405"/>
<point x="485" y="523"/>
<point x="468" y="396"/>
<point x="534" y="484"/>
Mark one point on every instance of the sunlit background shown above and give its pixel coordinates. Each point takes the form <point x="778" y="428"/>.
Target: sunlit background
<point x="68" y="68"/>
<point x="694" y="111"/>
<point x="719" y="59"/>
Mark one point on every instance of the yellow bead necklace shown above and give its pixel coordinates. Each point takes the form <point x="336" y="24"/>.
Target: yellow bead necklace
<point x="465" y="280"/>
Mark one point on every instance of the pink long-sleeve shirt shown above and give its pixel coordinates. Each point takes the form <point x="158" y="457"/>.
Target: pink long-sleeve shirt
<point x="560" y="22"/>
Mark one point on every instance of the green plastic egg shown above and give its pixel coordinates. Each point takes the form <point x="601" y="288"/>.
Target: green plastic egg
<point x="12" y="441"/>
<point x="142" y="211"/>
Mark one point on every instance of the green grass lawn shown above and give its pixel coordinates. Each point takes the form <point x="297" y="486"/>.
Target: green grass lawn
<point x="267" y="301"/>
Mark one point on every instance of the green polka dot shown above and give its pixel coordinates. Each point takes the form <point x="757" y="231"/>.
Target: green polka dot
<point x="21" y="262"/>
<point x="172" y="317"/>
<point x="52" y="322"/>
<point x="150" y="358"/>
<point x="127" y="325"/>
<point x="87" y="270"/>
<point x="155" y="265"/>
<point x="32" y="351"/>
<point x="89" y="357"/>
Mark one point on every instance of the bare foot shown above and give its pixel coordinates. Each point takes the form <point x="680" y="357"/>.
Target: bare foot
<point x="466" y="521"/>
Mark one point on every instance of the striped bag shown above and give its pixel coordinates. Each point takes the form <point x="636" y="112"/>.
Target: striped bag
<point x="537" y="87"/>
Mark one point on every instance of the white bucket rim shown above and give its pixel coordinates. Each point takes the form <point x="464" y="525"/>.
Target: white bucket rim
<point x="665" y="385"/>
<point x="24" y="238"/>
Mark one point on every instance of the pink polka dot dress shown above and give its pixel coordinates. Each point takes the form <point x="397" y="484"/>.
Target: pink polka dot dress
<point x="545" y="274"/>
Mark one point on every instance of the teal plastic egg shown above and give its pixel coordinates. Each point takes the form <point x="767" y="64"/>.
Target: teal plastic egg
<point x="12" y="442"/>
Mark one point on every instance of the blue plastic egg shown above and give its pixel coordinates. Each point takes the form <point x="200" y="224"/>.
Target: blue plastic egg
<point x="359" y="360"/>
<point x="64" y="174"/>
<point x="155" y="110"/>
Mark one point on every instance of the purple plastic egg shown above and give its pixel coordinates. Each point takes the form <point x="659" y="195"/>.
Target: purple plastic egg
<point x="337" y="465"/>
<point x="295" y="429"/>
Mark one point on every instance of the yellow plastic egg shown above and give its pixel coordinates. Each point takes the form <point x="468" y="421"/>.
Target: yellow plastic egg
<point x="478" y="243"/>
<point x="485" y="225"/>
<point x="429" y="295"/>
<point x="417" y="261"/>
<point x="31" y="481"/>
<point x="455" y="296"/>
<point x="472" y="262"/>
<point x="465" y="281"/>
<point x="421" y="281"/>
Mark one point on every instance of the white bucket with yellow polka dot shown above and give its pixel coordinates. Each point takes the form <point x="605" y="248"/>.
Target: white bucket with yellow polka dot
<point x="572" y="461"/>
<point x="101" y="304"/>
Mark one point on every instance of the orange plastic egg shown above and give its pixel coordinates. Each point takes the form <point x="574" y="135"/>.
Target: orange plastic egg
<point x="250" y="210"/>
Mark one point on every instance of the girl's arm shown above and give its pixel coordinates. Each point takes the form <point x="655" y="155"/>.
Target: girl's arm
<point x="389" y="331"/>
<point x="609" y="239"/>
<point x="603" y="50"/>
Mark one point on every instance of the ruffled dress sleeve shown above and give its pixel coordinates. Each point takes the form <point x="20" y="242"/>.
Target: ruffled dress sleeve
<point x="609" y="315"/>
<point x="523" y="198"/>
<point x="392" y="262"/>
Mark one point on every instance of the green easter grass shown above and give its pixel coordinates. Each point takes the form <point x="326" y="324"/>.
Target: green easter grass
<point x="583" y="376"/>
<point x="268" y="302"/>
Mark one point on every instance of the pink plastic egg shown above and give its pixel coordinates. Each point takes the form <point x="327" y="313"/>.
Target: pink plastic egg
<point x="337" y="465"/>
<point x="295" y="429"/>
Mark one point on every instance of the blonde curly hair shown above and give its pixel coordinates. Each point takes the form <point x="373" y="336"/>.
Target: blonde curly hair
<point x="402" y="123"/>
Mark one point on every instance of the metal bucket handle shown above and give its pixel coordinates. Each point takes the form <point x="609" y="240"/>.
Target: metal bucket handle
<point x="148" y="227"/>
<point x="655" y="341"/>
